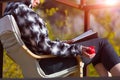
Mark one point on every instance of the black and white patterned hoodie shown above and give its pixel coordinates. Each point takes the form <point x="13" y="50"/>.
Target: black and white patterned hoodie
<point x="34" y="32"/>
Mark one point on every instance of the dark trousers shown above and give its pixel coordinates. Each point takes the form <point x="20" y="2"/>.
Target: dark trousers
<point x="105" y="54"/>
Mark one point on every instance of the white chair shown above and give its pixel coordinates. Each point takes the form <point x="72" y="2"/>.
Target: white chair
<point x="17" y="51"/>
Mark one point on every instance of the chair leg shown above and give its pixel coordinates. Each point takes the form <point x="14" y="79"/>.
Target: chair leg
<point x="1" y="59"/>
<point x="80" y="66"/>
<point x="1" y="47"/>
<point x="85" y="70"/>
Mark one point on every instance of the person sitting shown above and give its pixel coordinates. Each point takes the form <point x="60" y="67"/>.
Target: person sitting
<point x="34" y="34"/>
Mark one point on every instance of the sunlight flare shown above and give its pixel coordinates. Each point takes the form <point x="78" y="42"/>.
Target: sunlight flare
<point x="111" y="2"/>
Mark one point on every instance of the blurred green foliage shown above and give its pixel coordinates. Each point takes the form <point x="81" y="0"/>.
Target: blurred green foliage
<point x="60" y="27"/>
<point x="10" y="68"/>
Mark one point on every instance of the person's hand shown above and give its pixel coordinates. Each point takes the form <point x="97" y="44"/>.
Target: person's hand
<point x="88" y="52"/>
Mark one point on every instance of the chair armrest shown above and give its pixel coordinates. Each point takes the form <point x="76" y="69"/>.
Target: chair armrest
<point x="36" y="56"/>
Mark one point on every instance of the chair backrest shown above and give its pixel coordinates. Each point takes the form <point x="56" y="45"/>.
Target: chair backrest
<point x="16" y="50"/>
<point x="10" y="38"/>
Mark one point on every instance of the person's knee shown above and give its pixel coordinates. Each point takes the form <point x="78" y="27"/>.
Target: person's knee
<point x="104" y="41"/>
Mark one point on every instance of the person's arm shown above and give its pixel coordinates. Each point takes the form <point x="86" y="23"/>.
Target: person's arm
<point x="60" y="48"/>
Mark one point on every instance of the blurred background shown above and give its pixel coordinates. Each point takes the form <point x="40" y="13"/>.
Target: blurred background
<point x="65" y="22"/>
